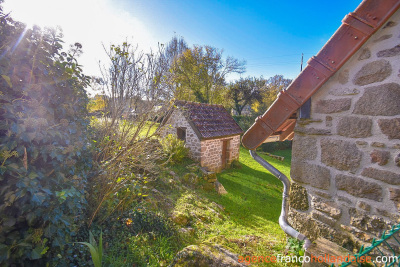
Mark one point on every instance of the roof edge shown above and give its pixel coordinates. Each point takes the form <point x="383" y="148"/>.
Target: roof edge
<point x="356" y="29"/>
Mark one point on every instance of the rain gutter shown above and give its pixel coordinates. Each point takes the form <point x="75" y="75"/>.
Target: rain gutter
<point x="284" y="211"/>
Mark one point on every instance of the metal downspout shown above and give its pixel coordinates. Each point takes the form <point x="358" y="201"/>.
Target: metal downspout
<point x="286" y="187"/>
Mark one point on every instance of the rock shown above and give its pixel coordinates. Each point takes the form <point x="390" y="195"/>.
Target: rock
<point x="341" y="155"/>
<point x="362" y="143"/>
<point x="343" y="77"/>
<point x="220" y="188"/>
<point x="354" y="127"/>
<point x="211" y="180"/>
<point x="395" y="51"/>
<point x="344" y="92"/>
<point x="382" y="38"/>
<point x="298" y="197"/>
<point x="322" y="218"/>
<point x="172" y="173"/>
<point x="380" y="157"/>
<point x="365" y="54"/>
<point x="397" y="160"/>
<point x="358" y="187"/>
<point x="377" y="144"/>
<point x="381" y="175"/>
<point x="205" y="255"/>
<point x="364" y="206"/>
<point x="180" y="218"/>
<point x="395" y="196"/>
<point x="187" y="231"/>
<point x="208" y="187"/>
<point x="381" y="100"/>
<point x="372" y="72"/>
<point x="390" y="24"/>
<point x="390" y="127"/>
<point x="371" y="224"/>
<point x="318" y="176"/>
<point x="303" y="223"/>
<point x="333" y="105"/>
<point x="304" y="147"/>
<point x="311" y="131"/>
<point x="328" y="207"/>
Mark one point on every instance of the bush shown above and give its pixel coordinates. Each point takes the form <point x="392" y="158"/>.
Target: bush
<point x="174" y="149"/>
<point x="244" y="121"/>
<point x="273" y="146"/>
<point x="44" y="157"/>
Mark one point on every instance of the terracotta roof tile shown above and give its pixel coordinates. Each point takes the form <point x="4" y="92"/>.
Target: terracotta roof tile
<point x="210" y="121"/>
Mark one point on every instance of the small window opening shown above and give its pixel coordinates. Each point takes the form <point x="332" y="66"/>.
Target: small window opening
<point x="181" y="133"/>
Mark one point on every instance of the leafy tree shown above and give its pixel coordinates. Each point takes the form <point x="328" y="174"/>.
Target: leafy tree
<point x="245" y="91"/>
<point x="270" y="91"/>
<point x="199" y="74"/>
<point x="97" y="103"/>
<point x="43" y="145"/>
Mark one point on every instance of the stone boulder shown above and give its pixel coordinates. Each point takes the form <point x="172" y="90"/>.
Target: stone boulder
<point x="210" y="255"/>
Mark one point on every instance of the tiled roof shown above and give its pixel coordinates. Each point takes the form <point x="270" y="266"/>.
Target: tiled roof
<point x="278" y="122"/>
<point x="209" y="121"/>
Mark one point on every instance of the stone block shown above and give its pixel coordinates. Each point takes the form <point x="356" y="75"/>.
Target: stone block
<point x="397" y="160"/>
<point x="371" y="224"/>
<point x="304" y="148"/>
<point x="395" y="197"/>
<point x="380" y="157"/>
<point x="358" y="187"/>
<point x="383" y="37"/>
<point x="344" y="91"/>
<point x="391" y="52"/>
<point x="390" y="127"/>
<point x="381" y="175"/>
<point x="317" y="176"/>
<point x="354" y="127"/>
<point x="333" y="105"/>
<point x="364" y="206"/>
<point x="322" y="218"/>
<point x="377" y="144"/>
<point x="298" y="197"/>
<point x="328" y="207"/>
<point x="343" y="77"/>
<point x="365" y="54"/>
<point x="373" y="72"/>
<point x="312" y="131"/>
<point x="341" y="155"/>
<point x="381" y="100"/>
<point x="304" y="224"/>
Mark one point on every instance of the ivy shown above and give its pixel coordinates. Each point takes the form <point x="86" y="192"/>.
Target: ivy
<point x="44" y="153"/>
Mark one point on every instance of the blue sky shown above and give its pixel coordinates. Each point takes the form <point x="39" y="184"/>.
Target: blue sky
<point x="269" y="35"/>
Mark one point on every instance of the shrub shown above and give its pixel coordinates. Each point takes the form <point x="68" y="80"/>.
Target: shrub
<point x="174" y="149"/>
<point x="43" y="147"/>
<point x="244" y="121"/>
<point x="273" y="146"/>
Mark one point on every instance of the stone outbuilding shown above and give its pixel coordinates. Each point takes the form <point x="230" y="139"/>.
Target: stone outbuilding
<point x="346" y="147"/>
<point x="210" y="133"/>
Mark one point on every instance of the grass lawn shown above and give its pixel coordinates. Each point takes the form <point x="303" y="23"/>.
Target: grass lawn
<point x="253" y="203"/>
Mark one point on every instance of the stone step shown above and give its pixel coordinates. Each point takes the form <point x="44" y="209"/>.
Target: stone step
<point x="322" y="251"/>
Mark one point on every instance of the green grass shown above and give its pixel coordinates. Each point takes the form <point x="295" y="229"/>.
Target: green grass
<point x="245" y="220"/>
<point x="253" y="203"/>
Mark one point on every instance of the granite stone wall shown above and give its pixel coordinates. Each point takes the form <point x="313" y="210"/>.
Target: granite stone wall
<point x="192" y="141"/>
<point x="207" y="152"/>
<point x="346" y="157"/>
<point x="211" y="152"/>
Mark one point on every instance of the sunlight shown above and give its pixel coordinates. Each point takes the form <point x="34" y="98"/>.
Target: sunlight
<point x="89" y="22"/>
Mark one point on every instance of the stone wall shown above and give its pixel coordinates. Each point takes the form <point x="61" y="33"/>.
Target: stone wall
<point x="346" y="158"/>
<point x="192" y="141"/>
<point x="211" y="151"/>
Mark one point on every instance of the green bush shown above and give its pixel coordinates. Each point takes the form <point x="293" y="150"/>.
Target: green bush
<point x="273" y="146"/>
<point x="44" y="156"/>
<point x="244" y="121"/>
<point x="174" y="149"/>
